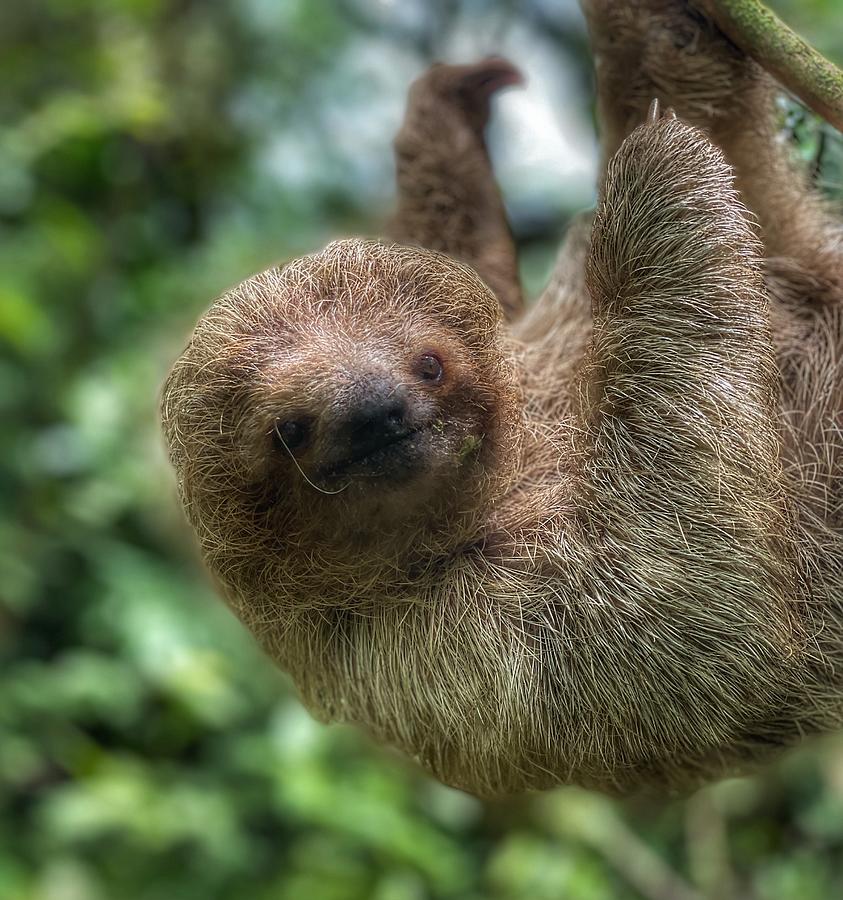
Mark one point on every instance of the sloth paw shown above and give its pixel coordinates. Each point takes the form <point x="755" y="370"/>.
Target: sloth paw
<point x="669" y="217"/>
<point x="467" y="89"/>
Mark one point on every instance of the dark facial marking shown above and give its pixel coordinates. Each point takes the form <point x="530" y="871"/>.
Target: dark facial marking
<point x="292" y="434"/>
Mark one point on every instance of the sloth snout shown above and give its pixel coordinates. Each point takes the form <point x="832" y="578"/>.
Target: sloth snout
<point x="375" y="414"/>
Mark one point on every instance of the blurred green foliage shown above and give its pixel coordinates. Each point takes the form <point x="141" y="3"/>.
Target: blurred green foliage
<point x="151" y="153"/>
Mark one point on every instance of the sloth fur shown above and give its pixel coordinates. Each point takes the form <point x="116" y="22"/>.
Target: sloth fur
<point x="608" y="548"/>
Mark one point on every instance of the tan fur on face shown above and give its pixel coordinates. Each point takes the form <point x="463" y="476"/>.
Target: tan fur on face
<point x="284" y="342"/>
<point x="623" y="561"/>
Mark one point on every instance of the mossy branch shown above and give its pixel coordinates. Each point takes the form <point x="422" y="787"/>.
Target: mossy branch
<point x="762" y="35"/>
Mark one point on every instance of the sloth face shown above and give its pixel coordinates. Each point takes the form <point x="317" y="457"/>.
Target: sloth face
<point x="383" y="415"/>
<point x="340" y="396"/>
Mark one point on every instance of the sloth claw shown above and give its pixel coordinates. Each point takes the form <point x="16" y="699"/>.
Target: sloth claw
<point x="488" y="76"/>
<point x="654" y="113"/>
<point x="476" y="82"/>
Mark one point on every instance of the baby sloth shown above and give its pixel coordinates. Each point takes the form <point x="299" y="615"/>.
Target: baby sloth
<point x="597" y="541"/>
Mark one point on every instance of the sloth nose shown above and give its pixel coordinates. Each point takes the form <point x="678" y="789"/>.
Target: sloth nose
<point x="375" y="416"/>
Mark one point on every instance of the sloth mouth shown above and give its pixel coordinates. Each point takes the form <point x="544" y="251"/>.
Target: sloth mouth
<point x="394" y="455"/>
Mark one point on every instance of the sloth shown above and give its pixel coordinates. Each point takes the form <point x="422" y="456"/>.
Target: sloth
<point x="596" y="540"/>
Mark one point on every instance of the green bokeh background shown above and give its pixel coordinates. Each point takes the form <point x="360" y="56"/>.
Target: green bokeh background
<point x="152" y="152"/>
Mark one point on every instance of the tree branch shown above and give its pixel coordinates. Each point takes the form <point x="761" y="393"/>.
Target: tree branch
<point x="800" y="68"/>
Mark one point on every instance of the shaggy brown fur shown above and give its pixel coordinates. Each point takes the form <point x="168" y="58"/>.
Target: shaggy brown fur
<point x="608" y="548"/>
<point x="447" y="196"/>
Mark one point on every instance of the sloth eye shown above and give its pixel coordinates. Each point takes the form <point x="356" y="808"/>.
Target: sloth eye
<point x="291" y="434"/>
<point x="430" y="367"/>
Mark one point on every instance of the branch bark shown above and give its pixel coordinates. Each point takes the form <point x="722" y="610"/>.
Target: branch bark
<point x="801" y="69"/>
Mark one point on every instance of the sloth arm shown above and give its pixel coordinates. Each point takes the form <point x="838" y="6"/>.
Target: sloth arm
<point x="670" y="50"/>
<point x="675" y="581"/>
<point x="447" y="196"/>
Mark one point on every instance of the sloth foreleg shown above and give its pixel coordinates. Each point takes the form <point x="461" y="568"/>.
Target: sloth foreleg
<point x="447" y="196"/>
<point x="689" y="612"/>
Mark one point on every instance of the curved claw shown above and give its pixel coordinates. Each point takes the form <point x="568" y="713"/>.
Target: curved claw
<point x="475" y="82"/>
<point x="487" y="76"/>
<point x="468" y="88"/>
<point x="654" y="113"/>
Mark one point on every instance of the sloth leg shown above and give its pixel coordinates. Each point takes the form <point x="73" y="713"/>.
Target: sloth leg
<point x="690" y="613"/>
<point x="667" y="49"/>
<point x="447" y="196"/>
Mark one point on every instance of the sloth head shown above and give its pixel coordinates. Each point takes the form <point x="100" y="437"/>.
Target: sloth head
<point x="353" y="406"/>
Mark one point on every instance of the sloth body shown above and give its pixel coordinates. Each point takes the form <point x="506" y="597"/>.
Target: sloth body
<point x="599" y="542"/>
